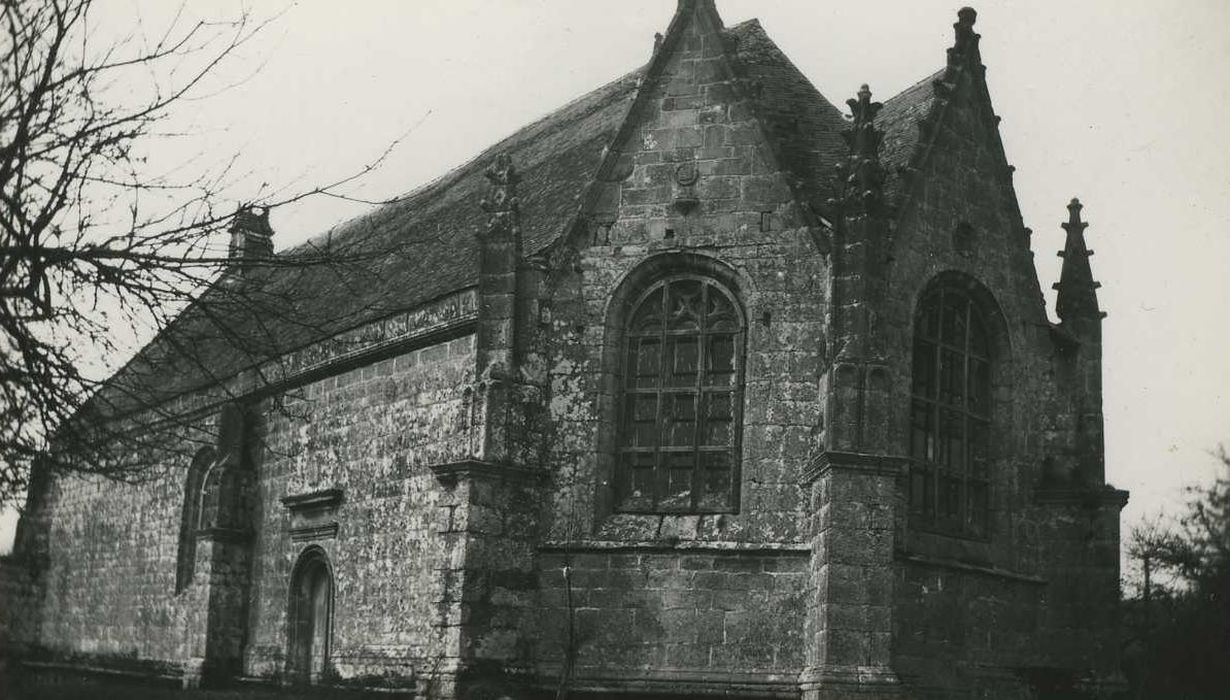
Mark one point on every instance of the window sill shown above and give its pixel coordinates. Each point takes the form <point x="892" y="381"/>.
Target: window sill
<point x="957" y="565"/>
<point x="948" y="547"/>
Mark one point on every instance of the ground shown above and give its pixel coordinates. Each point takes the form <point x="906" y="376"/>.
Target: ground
<point x="93" y="690"/>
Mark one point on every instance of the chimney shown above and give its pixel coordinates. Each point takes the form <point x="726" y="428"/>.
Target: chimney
<point x="251" y="236"/>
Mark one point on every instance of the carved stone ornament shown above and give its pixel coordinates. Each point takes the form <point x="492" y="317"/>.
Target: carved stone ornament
<point x="861" y="177"/>
<point x="501" y="203"/>
<point x="313" y="516"/>
<point x="687" y="174"/>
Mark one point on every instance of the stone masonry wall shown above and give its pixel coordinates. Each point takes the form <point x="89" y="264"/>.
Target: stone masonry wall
<point x="957" y="626"/>
<point x="674" y="619"/>
<point x="746" y="223"/>
<point x="19" y="595"/>
<point x="371" y="433"/>
<point x="733" y="609"/>
<point x="109" y="576"/>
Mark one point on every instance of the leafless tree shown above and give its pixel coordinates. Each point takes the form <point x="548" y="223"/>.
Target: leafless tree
<point x="1193" y="551"/>
<point x="92" y="244"/>
<point x="1179" y="624"/>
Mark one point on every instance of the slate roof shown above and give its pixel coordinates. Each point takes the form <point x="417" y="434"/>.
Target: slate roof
<point x="423" y="245"/>
<point x="804" y="125"/>
<point x="899" y="120"/>
<point x="426" y="240"/>
<point x="400" y="256"/>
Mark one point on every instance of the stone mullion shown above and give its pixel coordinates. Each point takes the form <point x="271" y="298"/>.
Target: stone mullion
<point x="697" y="402"/>
<point x="935" y="468"/>
<point x="660" y="380"/>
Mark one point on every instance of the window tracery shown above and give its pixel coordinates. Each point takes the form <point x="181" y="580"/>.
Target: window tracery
<point x="950" y="415"/>
<point x="681" y="399"/>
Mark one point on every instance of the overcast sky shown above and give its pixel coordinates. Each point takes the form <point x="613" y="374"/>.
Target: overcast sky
<point x="1124" y="103"/>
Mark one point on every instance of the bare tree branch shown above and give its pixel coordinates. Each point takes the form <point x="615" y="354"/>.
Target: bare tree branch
<point x="95" y="249"/>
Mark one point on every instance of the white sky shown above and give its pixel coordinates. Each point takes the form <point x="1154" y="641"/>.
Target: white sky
<point x="1124" y="103"/>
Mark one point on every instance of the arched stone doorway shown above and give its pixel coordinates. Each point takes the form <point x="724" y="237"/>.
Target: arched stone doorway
<point x="310" y="616"/>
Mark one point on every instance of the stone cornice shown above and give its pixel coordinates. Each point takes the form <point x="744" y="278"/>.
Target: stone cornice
<point x="472" y="469"/>
<point x="437" y="321"/>
<point x="1086" y="497"/>
<point x="858" y="462"/>
<point x="428" y="325"/>
<point x="316" y="500"/>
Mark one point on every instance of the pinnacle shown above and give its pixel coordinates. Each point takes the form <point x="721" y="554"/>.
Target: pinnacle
<point x="861" y="177"/>
<point x="1077" y="299"/>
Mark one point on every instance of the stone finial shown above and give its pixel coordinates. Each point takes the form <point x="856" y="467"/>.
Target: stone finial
<point x="1074" y="218"/>
<point x="966" y="43"/>
<point x="1077" y="298"/>
<point x="863" y="109"/>
<point x="501" y="203"/>
<point x="251" y="234"/>
<point x="861" y="178"/>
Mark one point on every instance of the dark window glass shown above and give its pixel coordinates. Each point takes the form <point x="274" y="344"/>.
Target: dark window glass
<point x="190" y="515"/>
<point x="681" y="399"/>
<point x="949" y="416"/>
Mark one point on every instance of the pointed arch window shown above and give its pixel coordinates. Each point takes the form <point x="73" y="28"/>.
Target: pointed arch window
<point x="225" y="496"/>
<point x="220" y="507"/>
<point x="190" y="516"/>
<point x="681" y="399"/>
<point x="950" y="415"/>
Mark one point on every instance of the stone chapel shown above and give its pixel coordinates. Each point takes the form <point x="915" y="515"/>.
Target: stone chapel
<point x="699" y="385"/>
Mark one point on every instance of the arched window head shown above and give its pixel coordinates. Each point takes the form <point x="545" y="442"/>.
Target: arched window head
<point x="950" y="414"/>
<point x="190" y="516"/>
<point x="221" y="507"/>
<point x="223" y="492"/>
<point x="681" y="398"/>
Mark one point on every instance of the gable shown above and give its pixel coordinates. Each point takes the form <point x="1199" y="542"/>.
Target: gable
<point x="728" y="104"/>
<point x="951" y="185"/>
